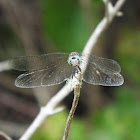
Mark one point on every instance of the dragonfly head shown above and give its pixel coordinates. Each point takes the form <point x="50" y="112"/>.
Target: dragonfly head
<point x="74" y="59"/>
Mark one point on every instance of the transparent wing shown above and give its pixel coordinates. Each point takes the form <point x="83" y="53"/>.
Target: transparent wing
<point x="56" y="74"/>
<point x="104" y="64"/>
<point x="102" y="71"/>
<point x="55" y="71"/>
<point x="37" y="62"/>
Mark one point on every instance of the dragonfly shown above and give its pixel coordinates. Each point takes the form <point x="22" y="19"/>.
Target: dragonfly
<point x="55" y="68"/>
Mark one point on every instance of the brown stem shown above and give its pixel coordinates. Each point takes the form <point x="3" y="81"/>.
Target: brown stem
<point x="70" y="117"/>
<point x="73" y="108"/>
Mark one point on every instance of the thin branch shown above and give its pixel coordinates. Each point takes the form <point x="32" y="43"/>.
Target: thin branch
<point x="70" y="116"/>
<point x="107" y="8"/>
<point x="101" y="28"/>
<point x="3" y="135"/>
<point x="49" y="108"/>
<point x="74" y="105"/>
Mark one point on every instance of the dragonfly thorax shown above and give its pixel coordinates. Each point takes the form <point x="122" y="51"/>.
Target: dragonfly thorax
<point x="74" y="59"/>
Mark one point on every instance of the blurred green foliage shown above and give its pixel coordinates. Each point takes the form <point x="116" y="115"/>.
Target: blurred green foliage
<point x="120" y="119"/>
<point x="64" y="22"/>
<point x="128" y="53"/>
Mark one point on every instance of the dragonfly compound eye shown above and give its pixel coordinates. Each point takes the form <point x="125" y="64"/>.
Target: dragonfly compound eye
<point x="74" y="60"/>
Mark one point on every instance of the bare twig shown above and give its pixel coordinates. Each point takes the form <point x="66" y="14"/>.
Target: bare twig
<point x="2" y="134"/>
<point x="49" y="108"/>
<point x="101" y="28"/>
<point x="74" y="105"/>
<point x="71" y="114"/>
<point x="107" y="8"/>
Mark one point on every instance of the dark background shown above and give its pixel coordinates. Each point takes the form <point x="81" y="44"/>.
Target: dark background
<point x="29" y="27"/>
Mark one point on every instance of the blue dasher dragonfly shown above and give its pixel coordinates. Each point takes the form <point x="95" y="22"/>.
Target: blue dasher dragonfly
<point x="55" y="68"/>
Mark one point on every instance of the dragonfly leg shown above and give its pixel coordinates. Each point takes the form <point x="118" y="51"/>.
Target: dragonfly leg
<point x="79" y="69"/>
<point x="76" y="71"/>
<point x="73" y="74"/>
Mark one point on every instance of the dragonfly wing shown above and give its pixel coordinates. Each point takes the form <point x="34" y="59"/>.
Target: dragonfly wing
<point x="103" y="64"/>
<point x="53" y="75"/>
<point x="102" y="71"/>
<point x="57" y="75"/>
<point x="29" y="80"/>
<point x="37" y="62"/>
<point x="98" y="77"/>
